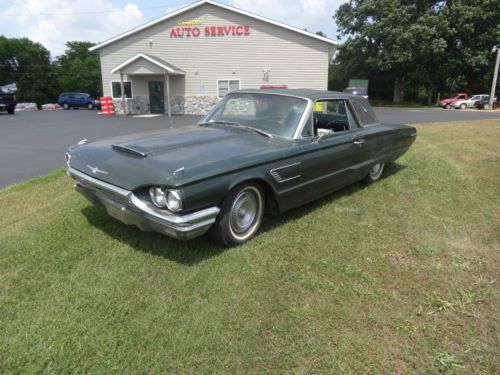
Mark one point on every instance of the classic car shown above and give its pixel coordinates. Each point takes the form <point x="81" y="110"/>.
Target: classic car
<point x="256" y="152"/>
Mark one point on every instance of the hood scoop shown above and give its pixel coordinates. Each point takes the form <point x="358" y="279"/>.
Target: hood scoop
<point x="131" y="151"/>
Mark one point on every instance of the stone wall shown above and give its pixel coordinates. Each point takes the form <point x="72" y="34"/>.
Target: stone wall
<point x="138" y="105"/>
<point x="181" y="105"/>
<point x="193" y="105"/>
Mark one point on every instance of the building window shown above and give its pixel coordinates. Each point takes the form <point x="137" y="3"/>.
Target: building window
<point x="116" y="88"/>
<point x="225" y="86"/>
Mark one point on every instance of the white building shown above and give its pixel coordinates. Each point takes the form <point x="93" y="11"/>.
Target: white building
<point x="192" y="57"/>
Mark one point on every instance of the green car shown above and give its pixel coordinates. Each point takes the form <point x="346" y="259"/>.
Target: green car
<point x="257" y="152"/>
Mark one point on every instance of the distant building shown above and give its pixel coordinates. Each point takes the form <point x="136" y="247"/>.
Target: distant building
<point x="192" y="57"/>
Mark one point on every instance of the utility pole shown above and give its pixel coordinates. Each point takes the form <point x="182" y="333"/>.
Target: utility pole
<point x="495" y="76"/>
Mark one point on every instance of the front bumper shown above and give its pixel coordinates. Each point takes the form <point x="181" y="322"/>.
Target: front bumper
<point x="129" y="209"/>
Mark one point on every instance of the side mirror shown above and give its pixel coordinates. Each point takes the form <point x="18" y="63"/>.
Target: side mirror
<point x="324" y="133"/>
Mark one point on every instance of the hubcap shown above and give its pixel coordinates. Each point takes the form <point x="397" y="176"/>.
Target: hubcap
<point x="376" y="170"/>
<point x="244" y="212"/>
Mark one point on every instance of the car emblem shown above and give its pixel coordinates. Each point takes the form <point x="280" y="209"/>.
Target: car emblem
<point x="96" y="170"/>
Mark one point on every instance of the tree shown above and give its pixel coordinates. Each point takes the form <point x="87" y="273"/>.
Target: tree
<point x="79" y="70"/>
<point x="33" y="73"/>
<point x="427" y="42"/>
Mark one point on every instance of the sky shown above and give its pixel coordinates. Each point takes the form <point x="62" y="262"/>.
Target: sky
<point x="53" y="22"/>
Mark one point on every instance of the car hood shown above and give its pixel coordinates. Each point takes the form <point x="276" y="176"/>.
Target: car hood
<point x="193" y="152"/>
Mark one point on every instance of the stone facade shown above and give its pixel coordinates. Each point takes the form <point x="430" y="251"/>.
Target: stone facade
<point x="189" y="105"/>
<point x="138" y="105"/>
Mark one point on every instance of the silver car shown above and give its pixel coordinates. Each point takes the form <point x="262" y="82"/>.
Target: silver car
<point x="469" y="103"/>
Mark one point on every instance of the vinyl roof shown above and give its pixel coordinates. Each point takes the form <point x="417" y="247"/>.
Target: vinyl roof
<point x="214" y="3"/>
<point x="303" y="93"/>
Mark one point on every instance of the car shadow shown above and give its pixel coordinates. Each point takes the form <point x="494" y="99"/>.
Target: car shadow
<point x="201" y="248"/>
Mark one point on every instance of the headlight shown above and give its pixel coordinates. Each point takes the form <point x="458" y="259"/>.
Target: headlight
<point x="174" y="202"/>
<point x="158" y="197"/>
<point x="170" y="199"/>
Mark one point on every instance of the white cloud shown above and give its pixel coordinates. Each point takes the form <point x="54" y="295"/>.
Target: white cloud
<point x="314" y="15"/>
<point x="67" y="20"/>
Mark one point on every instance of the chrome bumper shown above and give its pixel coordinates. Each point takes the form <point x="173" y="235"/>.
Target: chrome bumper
<point x="129" y="209"/>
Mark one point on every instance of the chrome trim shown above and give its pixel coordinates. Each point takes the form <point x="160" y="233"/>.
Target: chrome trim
<point x="303" y="119"/>
<point x="101" y="184"/>
<point x="96" y="170"/>
<point x="144" y="214"/>
<point x="275" y="174"/>
<point x="179" y="171"/>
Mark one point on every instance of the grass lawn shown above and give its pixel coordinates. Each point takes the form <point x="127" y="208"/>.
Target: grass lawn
<point x="399" y="277"/>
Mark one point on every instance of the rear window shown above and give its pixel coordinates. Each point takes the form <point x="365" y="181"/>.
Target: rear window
<point x="364" y="111"/>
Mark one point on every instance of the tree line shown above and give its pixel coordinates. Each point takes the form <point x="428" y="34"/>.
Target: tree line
<point x="41" y="79"/>
<point x="419" y="49"/>
<point x="414" y="50"/>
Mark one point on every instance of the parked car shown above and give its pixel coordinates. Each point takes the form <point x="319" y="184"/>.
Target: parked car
<point x="69" y="100"/>
<point x="360" y="91"/>
<point x="446" y="103"/>
<point x="469" y="103"/>
<point x="7" y="102"/>
<point x="256" y="152"/>
<point x="485" y="104"/>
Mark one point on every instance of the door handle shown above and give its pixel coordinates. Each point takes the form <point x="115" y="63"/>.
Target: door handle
<point x="359" y="142"/>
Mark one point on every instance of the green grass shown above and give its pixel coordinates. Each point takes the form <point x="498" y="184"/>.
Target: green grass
<point x="399" y="277"/>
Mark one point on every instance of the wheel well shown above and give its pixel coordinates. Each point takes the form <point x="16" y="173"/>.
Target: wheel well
<point x="271" y="206"/>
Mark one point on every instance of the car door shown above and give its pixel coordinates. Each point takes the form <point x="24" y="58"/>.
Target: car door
<point x="322" y="164"/>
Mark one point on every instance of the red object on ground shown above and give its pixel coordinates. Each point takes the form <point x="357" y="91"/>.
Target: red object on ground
<point x="273" y="87"/>
<point x="107" y="106"/>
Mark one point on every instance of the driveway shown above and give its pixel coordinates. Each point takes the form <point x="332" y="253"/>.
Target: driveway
<point x="33" y="143"/>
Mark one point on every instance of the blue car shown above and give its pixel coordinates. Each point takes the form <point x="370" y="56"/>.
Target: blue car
<point x="69" y="100"/>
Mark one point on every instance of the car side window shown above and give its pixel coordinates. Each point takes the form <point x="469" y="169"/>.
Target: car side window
<point x="333" y="115"/>
<point x="308" y="130"/>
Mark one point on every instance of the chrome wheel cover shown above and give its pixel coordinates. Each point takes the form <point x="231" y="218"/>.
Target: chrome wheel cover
<point x="245" y="213"/>
<point x="376" y="171"/>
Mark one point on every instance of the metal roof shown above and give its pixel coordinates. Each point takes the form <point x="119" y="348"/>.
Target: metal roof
<point x="214" y="3"/>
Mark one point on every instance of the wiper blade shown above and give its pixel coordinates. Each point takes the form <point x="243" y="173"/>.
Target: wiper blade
<point x="221" y="123"/>
<point x="257" y="130"/>
<point x="240" y="126"/>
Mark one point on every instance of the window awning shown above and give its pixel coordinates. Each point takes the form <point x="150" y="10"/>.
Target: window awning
<point x="146" y="64"/>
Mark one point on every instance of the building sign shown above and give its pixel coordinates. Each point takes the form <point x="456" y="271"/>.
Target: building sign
<point x="193" y="29"/>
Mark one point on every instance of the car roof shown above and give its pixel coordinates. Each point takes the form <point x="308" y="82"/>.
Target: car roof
<point x="303" y="93"/>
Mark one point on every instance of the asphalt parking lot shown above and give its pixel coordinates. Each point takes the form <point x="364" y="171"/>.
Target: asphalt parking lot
<point x="33" y="143"/>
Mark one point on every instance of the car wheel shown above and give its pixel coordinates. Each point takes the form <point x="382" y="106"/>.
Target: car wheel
<point x="463" y="106"/>
<point x="447" y="106"/>
<point x="375" y="173"/>
<point x="90" y="106"/>
<point x="240" y="217"/>
<point x="11" y="111"/>
<point x="66" y="106"/>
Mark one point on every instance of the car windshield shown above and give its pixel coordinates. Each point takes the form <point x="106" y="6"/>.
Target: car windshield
<point x="272" y="114"/>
